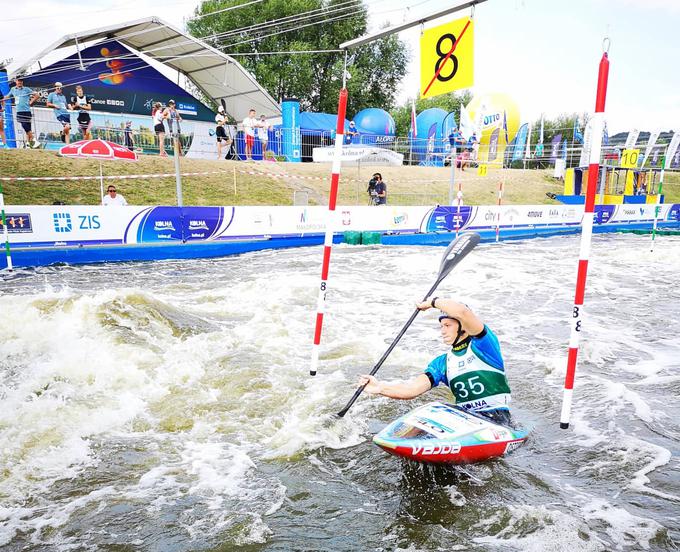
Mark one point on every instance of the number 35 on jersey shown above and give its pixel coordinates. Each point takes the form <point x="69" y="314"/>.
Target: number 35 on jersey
<point x="441" y="73"/>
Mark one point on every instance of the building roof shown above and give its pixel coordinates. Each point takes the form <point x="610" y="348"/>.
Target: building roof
<point x="218" y="76"/>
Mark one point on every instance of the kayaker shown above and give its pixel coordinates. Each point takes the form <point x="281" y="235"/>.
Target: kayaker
<point x="473" y="368"/>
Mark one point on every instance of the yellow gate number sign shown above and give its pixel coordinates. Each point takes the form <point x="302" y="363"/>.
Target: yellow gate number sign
<point x="629" y="158"/>
<point x="446" y="58"/>
<point x="481" y="170"/>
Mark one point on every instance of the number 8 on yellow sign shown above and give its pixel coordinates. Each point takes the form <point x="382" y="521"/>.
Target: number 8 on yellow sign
<point x="446" y="58"/>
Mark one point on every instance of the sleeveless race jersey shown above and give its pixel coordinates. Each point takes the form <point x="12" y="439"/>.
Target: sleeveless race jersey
<point x="475" y="375"/>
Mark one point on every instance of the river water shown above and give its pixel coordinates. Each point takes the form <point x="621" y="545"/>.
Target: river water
<point x="167" y="406"/>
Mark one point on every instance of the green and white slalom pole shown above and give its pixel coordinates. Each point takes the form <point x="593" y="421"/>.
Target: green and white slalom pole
<point x="670" y="152"/>
<point x="5" y="232"/>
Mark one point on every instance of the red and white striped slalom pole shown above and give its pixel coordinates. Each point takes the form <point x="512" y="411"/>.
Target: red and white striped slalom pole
<point x="330" y="223"/>
<point x="586" y="238"/>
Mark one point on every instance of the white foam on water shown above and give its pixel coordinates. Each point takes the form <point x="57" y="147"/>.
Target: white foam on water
<point x="625" y="531"/>
<point x="205" y="377"/>
<point x="538" y="529"/>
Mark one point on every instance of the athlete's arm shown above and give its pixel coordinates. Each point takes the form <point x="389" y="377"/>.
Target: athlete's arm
<point x="408" y="390"/>
<point x="469" y="320"/>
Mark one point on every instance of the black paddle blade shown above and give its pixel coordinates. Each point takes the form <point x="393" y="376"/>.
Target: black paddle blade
<point x="456" y="252"/>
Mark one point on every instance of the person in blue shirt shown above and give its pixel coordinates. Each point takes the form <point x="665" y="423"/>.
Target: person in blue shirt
<point x="352" y="134"/>
<point x="57" y="101"/>
<point x="24" y="98"/>
<point x="473" y="368"/>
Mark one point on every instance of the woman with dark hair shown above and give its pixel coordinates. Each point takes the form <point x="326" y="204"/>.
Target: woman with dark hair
<point x="158" y="114"/>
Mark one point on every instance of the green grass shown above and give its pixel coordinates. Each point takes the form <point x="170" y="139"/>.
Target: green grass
<point x="232" y="185"/>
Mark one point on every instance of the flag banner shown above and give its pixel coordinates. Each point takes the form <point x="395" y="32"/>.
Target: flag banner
<point x="540" y="138"/>
<point x="564" y="150"/>
<point x="505" y="127"/>
<point x="493" y="145"/>
<point x="653" y="137"/>
<point x="605" y="135"/>
<point x="584" y="160"/>
<point x="555" y="147"/>
<point x="632" y="138"/>
<point x="520" y="141"/>
<point x="672" y="153"/>
<point x="527" y="153"/>
<point x="414" y="129"/>
<point x="467" y="128"/>
<point x="578" y="137"/>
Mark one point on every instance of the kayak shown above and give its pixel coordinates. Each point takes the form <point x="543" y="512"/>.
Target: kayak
<point x="445" y="434"/>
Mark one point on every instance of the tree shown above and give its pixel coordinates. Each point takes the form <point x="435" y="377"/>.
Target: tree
<point x="314" y="78"/>
<point x="448" y="102"/>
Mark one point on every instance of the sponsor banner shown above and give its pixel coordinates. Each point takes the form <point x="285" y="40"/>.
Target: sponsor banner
<point x="65" y="225"/>
<point x="118" y="81"/>
<point x="637" y="212"/>
<point x="89" y="225"/>
<point x="446" y="218"/>
<point x="354" y="155"/>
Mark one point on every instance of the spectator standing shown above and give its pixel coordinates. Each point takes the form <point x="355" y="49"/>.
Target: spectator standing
<point x="249" y="125"/>
<point x="127" y="134"/>
<point x="263" y="135"/>
<point x="220" y="131"/>
<point x="57" y="101"/>
<point x="113" y="198"/>
<point x="158" y="114"/>
<point x="473" y="145"/>
<point x="380" y="189"/>
<point x="173" y="117"/>
<point x="24" y="98"/>
<point x="83" y="105"/>
<point x="2" y="121"/>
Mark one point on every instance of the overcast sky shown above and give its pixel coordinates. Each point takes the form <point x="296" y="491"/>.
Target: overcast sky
<point x="544" y="53"/>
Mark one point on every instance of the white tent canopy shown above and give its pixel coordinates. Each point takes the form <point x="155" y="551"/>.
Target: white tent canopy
<point x="217" y="75"/>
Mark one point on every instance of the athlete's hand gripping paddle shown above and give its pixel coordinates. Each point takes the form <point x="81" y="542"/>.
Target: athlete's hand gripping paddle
<point x="455" y="252"/>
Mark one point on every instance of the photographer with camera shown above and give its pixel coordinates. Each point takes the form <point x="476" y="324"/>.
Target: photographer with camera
<point x="377" y="190"/>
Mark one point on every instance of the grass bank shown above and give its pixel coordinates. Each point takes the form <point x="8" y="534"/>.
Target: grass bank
<point x="239" y="183"/>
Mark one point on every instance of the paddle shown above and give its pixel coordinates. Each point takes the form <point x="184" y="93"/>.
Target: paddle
<point x="454" y="253"/>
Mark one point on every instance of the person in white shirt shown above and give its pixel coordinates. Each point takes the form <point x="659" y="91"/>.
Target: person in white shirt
<point x="112" y="198"/>
<point x="249" y="125"/>
<point x="263" y="135"/>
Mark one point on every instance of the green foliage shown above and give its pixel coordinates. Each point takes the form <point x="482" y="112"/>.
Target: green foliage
<point x="563" y="124"/>
<point x="315" y="79"/>
<point x="447" y="102"/>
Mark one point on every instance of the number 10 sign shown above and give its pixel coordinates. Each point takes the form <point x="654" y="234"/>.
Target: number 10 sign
<point x="446" y="58"/>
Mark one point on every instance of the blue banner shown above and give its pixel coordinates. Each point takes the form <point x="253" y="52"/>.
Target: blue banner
<point x="520" y="142"/>
<point x="118" y="81"/>
<point x="555" y="147"/>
